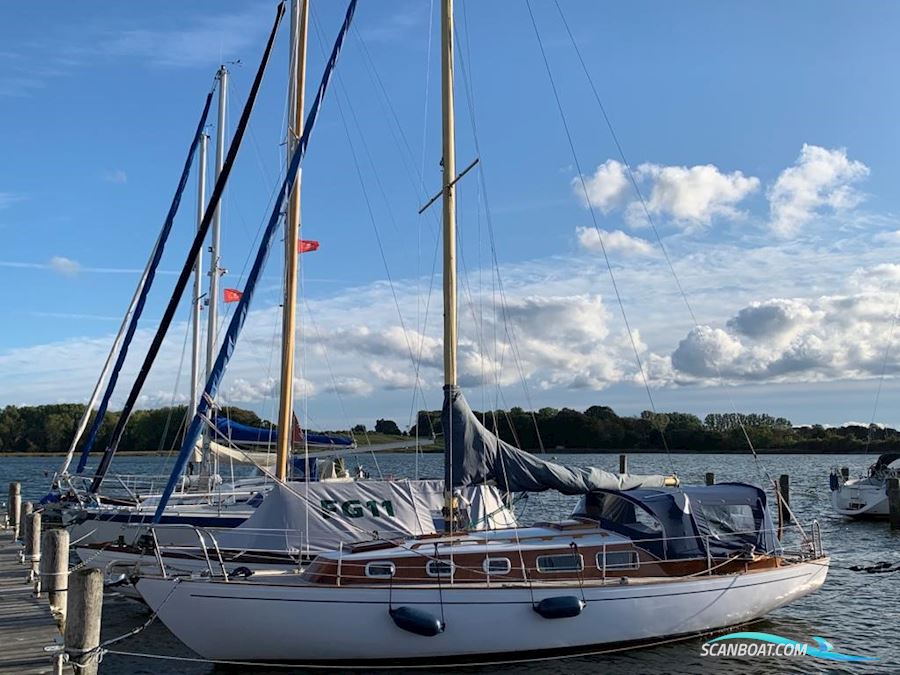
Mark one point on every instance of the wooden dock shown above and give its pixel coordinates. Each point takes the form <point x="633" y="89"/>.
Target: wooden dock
<point x="26" y="626"/>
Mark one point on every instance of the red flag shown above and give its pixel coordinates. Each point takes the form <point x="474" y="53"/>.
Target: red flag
<point x="307" y="245"/>
<point x="232" y="295"/>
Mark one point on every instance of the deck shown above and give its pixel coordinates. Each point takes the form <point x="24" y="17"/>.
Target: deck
<point x="26" y="625"/>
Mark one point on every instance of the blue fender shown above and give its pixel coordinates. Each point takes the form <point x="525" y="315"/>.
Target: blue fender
<point x="417" y="621"/>
<point x="560" y="607"/>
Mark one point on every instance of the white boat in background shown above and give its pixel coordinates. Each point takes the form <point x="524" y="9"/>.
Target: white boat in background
<point x="866" y="496"/>
<point x="294" y="523"/>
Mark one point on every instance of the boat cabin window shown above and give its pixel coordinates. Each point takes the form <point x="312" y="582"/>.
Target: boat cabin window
<point x="496" y="566"/>
<point x="380" y="569"/>
<point x="439" y="568"/>
<point x="618" y="560"/>
<point x="563" y="562"/>
<point x="731" y="523"/>
<point x="619" y="514"/>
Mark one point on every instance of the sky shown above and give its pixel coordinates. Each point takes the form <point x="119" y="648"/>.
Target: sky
<point x="755" y="263"/>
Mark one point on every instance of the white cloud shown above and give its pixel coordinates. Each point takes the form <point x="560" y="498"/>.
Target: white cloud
<point x="881" y="277"/>
<point x="251" y="390"/>
<point x="65" y="266"/>
<point x="706" y="351"/>
<point x="691" y="196"/>
<point x="796" y="318"/>
<point x="819" y="179"/>
<point x="695" y="195"/>
<point x="892" y="237"/>
<point x="614" y="241"/>
<point x="352" y="386"/>
<point x="825" y="338"/>
<point x="772" y="319"/>
<point x="7" y="199"/>
<point x="202" y="41"/>
<point x="391" y="378"/>
<point x="117" y="176"/>
<point x="606" y="189"/>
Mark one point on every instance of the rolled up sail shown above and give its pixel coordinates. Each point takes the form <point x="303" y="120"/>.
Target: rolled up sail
<point x="247" y="435"/>
<point x="477" y="456"/>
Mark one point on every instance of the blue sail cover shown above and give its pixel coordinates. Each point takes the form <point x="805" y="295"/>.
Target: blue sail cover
<point x="240" y="314"/>
<point x="190" y="262"/>
<point x="245" y="434"/>
<point x="149" y="275"/>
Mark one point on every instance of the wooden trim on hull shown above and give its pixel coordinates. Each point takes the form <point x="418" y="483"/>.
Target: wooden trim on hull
<point x="468" y="567"/>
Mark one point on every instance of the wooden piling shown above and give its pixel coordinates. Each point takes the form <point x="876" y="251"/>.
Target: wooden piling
<point x="14" y="507"/>
<point x="710" y="478"/>
<point x="33" y="547"/>
<point x="893" y="495"/>
<point x="784" y="499"/>
<point x="27" y="510"/>
<point x="623" y="463"/>
<point x="82" y="634"/>
<point x="55" y="568"/>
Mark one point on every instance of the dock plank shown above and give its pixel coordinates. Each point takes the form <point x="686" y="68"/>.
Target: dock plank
<point x="26" y="625"/>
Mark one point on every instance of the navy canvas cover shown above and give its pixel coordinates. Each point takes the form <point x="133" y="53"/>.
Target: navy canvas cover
<point x="682" y="522"/>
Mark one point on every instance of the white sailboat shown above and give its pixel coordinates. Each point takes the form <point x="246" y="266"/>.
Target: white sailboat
<point x="865" y="496"/>
<point x="108" y="532"/>
<point x="628" y="568"/>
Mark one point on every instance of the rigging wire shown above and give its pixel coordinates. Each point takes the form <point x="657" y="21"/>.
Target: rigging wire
<point x="341" y="91"/>
<point x="503" y="303"/>
<point x="420" y="325"/>
<point x="334" y="385"/>
<point x="633" y="180"/>
<point x="609" y="267"/>
<point x="884" y="360"/>
<point x="421" y="193"/>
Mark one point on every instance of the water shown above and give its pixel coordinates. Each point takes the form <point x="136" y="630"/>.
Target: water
<point x="857" y="612"/>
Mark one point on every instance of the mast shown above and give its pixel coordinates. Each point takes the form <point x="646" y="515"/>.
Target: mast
<point x="187" y="268"/>
<point x="215" y="270"/>
<point x="140" y="298"/>
<point x="214" y="378"/>
<point x="198" y="279"/>
<point x="449" y="222"/>
<point x="299" y="19"/>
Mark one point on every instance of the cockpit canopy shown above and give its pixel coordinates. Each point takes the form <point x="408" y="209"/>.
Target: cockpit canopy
<point x="687" y="522"/>
<point x="888" y="460"/>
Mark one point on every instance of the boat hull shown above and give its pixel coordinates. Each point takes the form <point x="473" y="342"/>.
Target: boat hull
<point x="860" y="501"/>
<point x="93" y="527"/>
<point x="253" y="621"/>
<point x="119" y="567"/>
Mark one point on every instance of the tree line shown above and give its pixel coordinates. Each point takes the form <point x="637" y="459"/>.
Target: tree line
<point x="600" y="428"/>
<point x="50" y="428"/>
